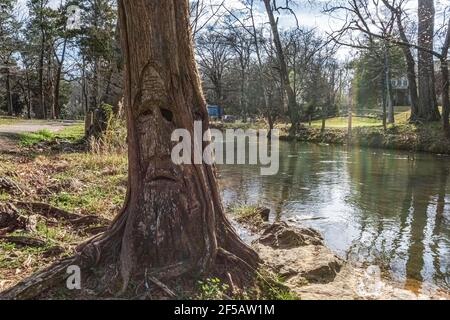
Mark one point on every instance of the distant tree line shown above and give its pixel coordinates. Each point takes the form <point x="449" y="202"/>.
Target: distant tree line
<point x="55" y="63"/>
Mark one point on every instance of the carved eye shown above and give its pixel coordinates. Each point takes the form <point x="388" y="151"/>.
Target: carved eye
<point x="167" y="114"/>
<point x="147" y="113"/>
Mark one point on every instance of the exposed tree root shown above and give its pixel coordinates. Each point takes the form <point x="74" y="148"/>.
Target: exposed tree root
<point x="49" y="211"/>
<point x="10" y="187"/>
<point x="11" y="220"/>
<point x="99" y="261"/>
<point x="35" y="285"/>
<point x="166" y="289"/>
<point x="24" y="241"/>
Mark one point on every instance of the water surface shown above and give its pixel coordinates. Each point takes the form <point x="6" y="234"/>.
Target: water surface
<point x="372" y="206"/>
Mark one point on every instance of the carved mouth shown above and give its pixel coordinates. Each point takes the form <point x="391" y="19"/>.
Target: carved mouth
<point x="163" y="172"/>
<point x="163" y="177"/>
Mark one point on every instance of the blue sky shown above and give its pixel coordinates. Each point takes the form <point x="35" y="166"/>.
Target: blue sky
<point x="307" y="16"/>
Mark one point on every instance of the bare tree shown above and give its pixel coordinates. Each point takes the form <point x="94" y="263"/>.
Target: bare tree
<point x="172" y="223"/>
<point x="428" y="107"/>
<point x="293" y="107"/>
<point x="214" y="55"/>
<point x="370" y="27"/>
<point x="203" y="13"/>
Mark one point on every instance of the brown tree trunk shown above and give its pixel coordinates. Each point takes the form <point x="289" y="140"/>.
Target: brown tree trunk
<point x="410" y="63"/>
<point x="428" y="106"/>
<point x="446" y="82"/>
<point x="388" y="86"/>
<point x="60" y="63"/>
<point x="42" y="112"/>
<point x="445" y="95"/>
<point x="293" y="107"/>
<point x="8" y="92"/>
<point x="173" y="223"/>
<point x="29" y="96"/>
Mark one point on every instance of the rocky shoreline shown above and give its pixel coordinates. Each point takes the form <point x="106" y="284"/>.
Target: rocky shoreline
<point x="313" y="272"/>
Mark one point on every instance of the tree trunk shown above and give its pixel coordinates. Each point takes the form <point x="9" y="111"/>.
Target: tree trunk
<point x="293" y="107"/>
<point x="445" y="96"/>
<point x="95" y="120"/>
<point x="29" y="96"/>
<point x="56" y="106"/>
<point x="85" y="94"/>
<point x="42" y="112"/>
<point x="8" y="92"/>
<point x="410" y="67"/>
<point x="446" y="82"/>
<point x="350" y="114"/>
<point x="388" y="86"/>
<point x="242" y="101"/>
<point x="173" y="223"/>
<point x="428" y="106"/>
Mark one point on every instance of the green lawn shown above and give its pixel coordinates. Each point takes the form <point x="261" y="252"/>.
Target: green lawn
<point x="401" y="117"/>
<point x="71" y="133"/>
<point x="342" y="122"/>
<point x="8" y="120"/>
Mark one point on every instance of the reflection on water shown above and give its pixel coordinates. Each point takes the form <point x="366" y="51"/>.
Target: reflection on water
<point x="372" y="206"/>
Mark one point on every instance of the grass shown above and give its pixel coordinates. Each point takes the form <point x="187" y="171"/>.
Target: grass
<point x="79" y="182"/>
<point x="212" y="289"/>
<point x="90" y="183"/>
<point x="29" y="139"/>
<point x="69" y="133"/>
<point x="342" y="122"/>
<point x="9" y="121"/>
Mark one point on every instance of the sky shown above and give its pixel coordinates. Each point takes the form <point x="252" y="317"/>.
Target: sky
<point x="311" y="17"/>
<point x="309" y="13"/>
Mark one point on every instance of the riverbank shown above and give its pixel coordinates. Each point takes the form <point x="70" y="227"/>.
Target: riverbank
<point x="414" y="138"/>
<point x="311" y="270"/>
<point x="408" y="137"/>
<point x="77" y="185"/>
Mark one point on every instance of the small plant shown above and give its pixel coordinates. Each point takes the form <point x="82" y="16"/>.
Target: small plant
<point x="212" y="289"/>
<point x="272" y="287"/>
<point x="29" y="139"/>
<point x="4" y="196"/>
<point x="113" y="139"/>
<point x="70" y="133"/>
<point x="249" y="215"/>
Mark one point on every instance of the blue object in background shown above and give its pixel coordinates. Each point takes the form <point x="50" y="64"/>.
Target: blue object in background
<point x="215" y="112"/>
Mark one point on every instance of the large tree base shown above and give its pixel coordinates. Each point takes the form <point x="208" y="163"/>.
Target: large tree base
<point x="99" y="260"/>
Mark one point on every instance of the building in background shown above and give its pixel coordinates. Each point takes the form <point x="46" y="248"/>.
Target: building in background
<point x="400" y="94"/>
<point x="215" y="112"/>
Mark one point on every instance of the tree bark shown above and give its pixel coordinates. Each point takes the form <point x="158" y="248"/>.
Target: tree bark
<point x="42" y="112"/>
<point x="445" y="96"/>
<point x="8" y="92"/>
<point x="173" y="223"/>
<point x="410" y="64"/>
<point x="60" y="63"/>
<point x="428" y="106"/>
<point x="29" y="96"/>
<point x="293" y="107"/>
<point x="446" y="83"/>
<point x="388" y="86"/>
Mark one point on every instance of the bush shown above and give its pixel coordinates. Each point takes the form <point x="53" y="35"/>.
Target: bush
<point x="113" y="139"/>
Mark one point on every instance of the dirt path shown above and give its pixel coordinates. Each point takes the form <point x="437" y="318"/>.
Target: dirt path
<point x="9" y="133"/>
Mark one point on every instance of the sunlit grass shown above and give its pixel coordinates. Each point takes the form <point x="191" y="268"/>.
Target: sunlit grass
<point x="70" y="133"/>
<point x="342" y="122"/>
<point x="9" y="120"/>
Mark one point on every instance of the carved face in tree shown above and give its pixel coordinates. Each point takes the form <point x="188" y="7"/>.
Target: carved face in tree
<point x="171" y="197"/>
